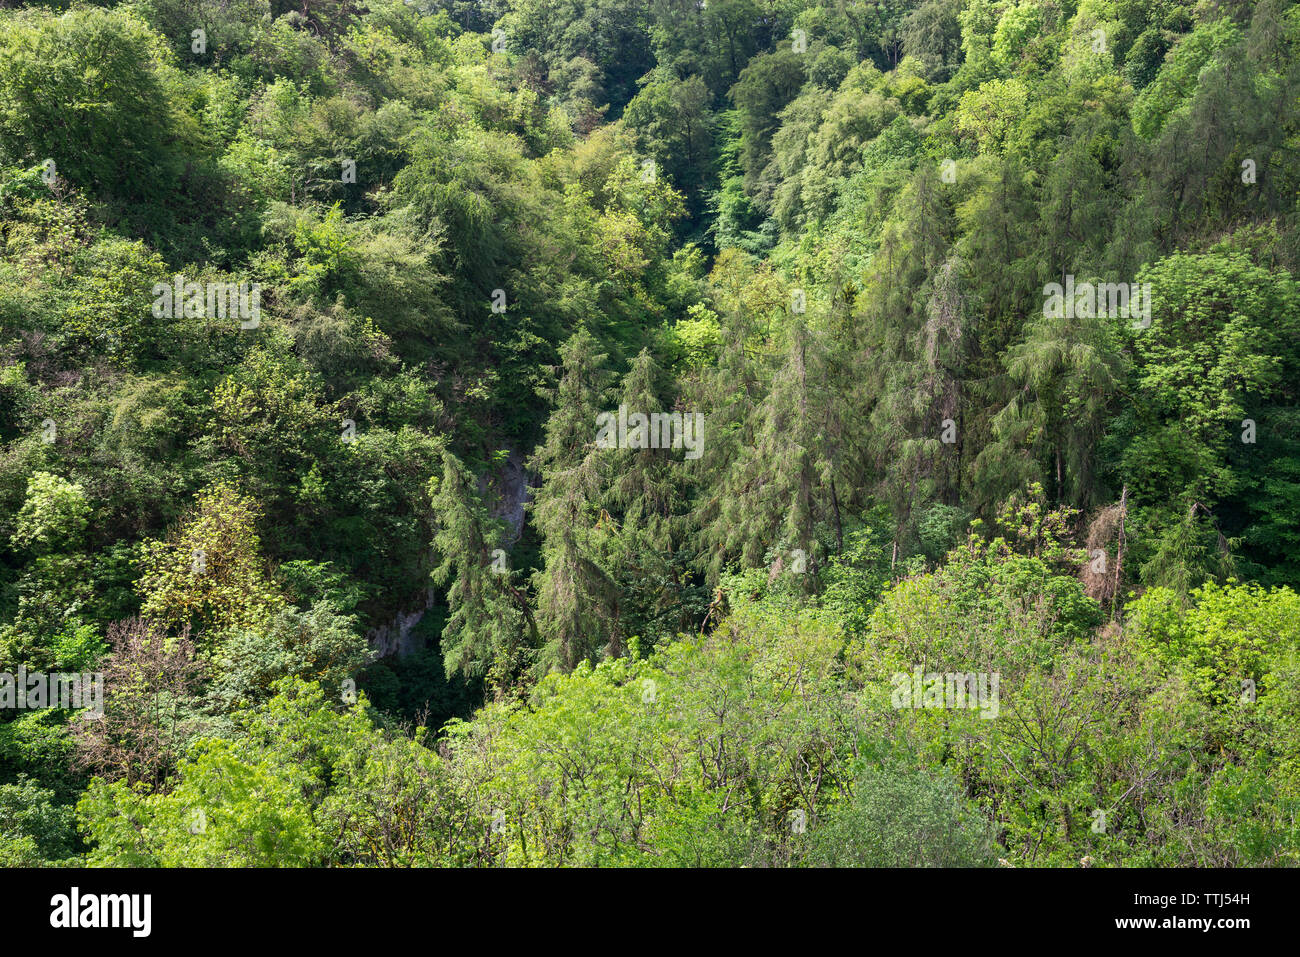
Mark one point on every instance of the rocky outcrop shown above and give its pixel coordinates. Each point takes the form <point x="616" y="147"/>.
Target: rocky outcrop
<point x="397" y="637"/>
<point x="512" y="492"/>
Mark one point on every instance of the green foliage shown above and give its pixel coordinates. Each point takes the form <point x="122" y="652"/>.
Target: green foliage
<point x="317" y="645"/>
<point x="827" y="229"/>
<point x="211" y="574"/>
<point x="1228" y="635"/>
<point x="34" y="830"/>
<point x="1177" y="78"/>
<point x="89" y="90"/>
<point x="54" y="516"/>
<point x="900" y="819"/>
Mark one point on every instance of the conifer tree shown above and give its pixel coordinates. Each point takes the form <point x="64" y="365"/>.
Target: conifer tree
<point x="649" y="493"/>
<point x="577" y="600"/>
<point x="485" y="634"/>
<point x="778" y="491"/>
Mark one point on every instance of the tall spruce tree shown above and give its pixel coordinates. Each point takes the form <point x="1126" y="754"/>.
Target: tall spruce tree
<point x="650" y="494"/>
<point x="578" y="604"/>
<point x="490" y="631"/>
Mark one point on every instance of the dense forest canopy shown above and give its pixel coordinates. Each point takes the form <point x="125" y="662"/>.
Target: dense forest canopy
<point x="650" y="432"/>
